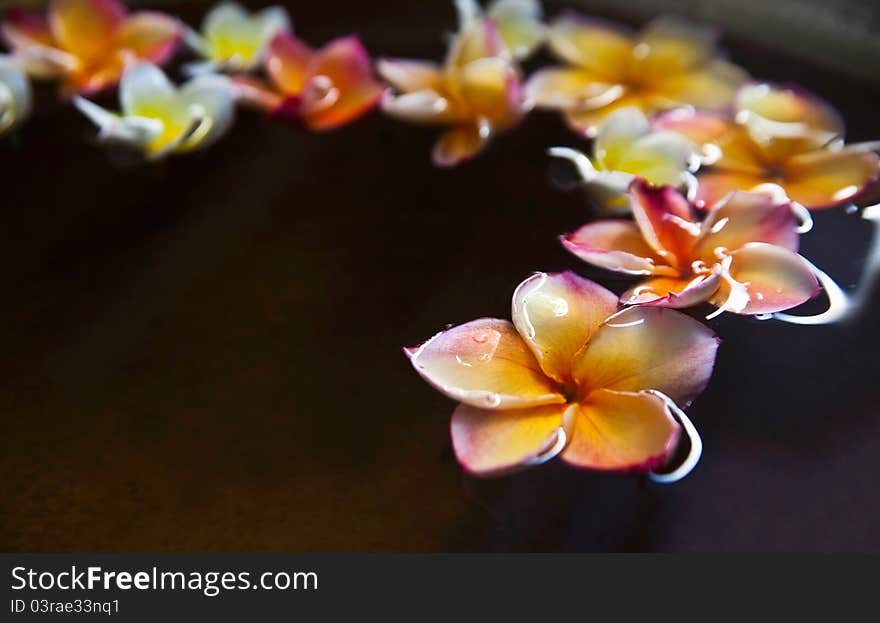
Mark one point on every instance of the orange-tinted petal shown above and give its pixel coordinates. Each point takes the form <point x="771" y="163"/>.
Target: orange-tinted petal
<point x="588" y="121"/>
<point x="86" y="28"/>
<point x="490" y="443"/>
<point x="714" y="186"/>
<point x="287" y="63"/>
<point x="149" y="36"/>
<point x="669" y="46"/>
<point x="674" y="292"/>
<point x="664" y="216"/>
<point x="724" y="144"/>
<point x="827" y="178"/>
<point x="763" y="279"/>
<point x="601" y="46"/>
<point x="745" y="217"/>
<point x="21" y="28"/>
<point x="557" y="314"/>
<point x="408" y="75"/>
<point x="460" y="143"/>
<point x="481" y="40"/>
<point x="785" y="121"/>
<point x="571" y="88"/>
<point x="621" y="431"/>
<point x="613" y="244"/>
<point x="343" y="66"/>
<point x="712" y="87"/>
<point x="649" y="348"/>
<point x="484" y="363"/>
<point x="491" y="89"/>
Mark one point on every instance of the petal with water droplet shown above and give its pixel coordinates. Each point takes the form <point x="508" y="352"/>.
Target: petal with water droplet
<point x="484" y="363"/>
<point x="557" y="314"/>
<point x="744" y="217"/>
<point x="674" y="292"/>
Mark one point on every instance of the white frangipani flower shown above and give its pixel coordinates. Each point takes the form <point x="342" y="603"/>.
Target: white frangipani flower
<point x="159" y="118"/>
<point x="15" y="94"/>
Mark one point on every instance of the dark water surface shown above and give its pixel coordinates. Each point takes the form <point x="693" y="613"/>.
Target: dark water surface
<point x="204" y="354"/>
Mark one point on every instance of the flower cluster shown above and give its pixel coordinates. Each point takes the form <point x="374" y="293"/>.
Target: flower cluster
<point x="716" y="170"/>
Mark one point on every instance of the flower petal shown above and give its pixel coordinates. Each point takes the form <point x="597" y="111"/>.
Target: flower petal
<point x="570" y="88"/>
<point x="827" y="178"/>
<point x="143" y="89"/>
<point x="613" y="244"/>
<point x="490" y="443"/>
<point x="211" y="98"/>
<point x="16" y="97"/>
<point x="408" y="75"/>
<point x="21" y="28"/>
<point x="715" y="186"/>
<point x="661" y="158"/>
<point x="425" y="106"/>
<point x="617" y="134"/>
<point x="669" y="46"/>
<point x="763" y="279"/>
<point x="481" y="40"/>
<point x="745" y="217"/>
<point x="234" y="36"/>
<point x="519" y="22"/>
<point x="621" y="431"/>
<point x="460" y="143"/>
<point x="491" y="88"/>
<point x="287" y="63"/>
<point x="149" y="36"/>
<point x="346" y="64"/>
<point x="785" y="121"/>
<point x="588" y="121"/>
<point x="557" y="314"/>
<point x="85" y="27"/>
<point x="712" y="87"/>
<point x="645" y="348"/>
<point x="664" y="216"/>
<point x="674" y="292"/>
<point x="601" y="46"/>
<point x="724" y="144"/>
<point x="486" y="364"/>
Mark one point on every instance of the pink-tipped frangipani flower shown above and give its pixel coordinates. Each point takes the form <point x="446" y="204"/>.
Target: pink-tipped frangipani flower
<point x="324" y="88"/>
<point x="569" y="376"/>
<point x="669" y="64"/>
<point x="742" y="257"/>
<point x="476" y="93"/>
<point x="779" y="135"/>
<point x="87" y="43"/>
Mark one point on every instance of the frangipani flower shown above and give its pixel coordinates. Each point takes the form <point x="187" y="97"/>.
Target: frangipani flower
<point x="741" y="258"/>
<point x="87" y="43"/>
<point x="568" y="377"/>
<point x="518" y="21"/>
<point x="669" y="64"/>
<point x="15" y="94"/>
<point x="324" y="88"/>
<point x="477" y="92"/>
<point x="160" y="119"/>
<point x="626" y="147"/>
<point x="780" y="136"/>
<point x="233" y="39"/>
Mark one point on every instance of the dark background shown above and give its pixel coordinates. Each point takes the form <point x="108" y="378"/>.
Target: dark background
<point x="204" y="353"/>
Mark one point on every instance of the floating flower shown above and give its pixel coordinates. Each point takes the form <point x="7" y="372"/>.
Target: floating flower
<point x="626" y="147"/>
<point x="15" y="94"/>
<point x="88" y="42"/>
<point x="233" y="39"/>
<point x="667" y="65"/>
<point x="741" y="258"/>
<point x="159" y="118"/>
<point x="781" y="136"/>
<point x="477" y="92"/>
<point x="518" y="21"/>
<point x="324" y="88"/>
<point x="568" y="376"/>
